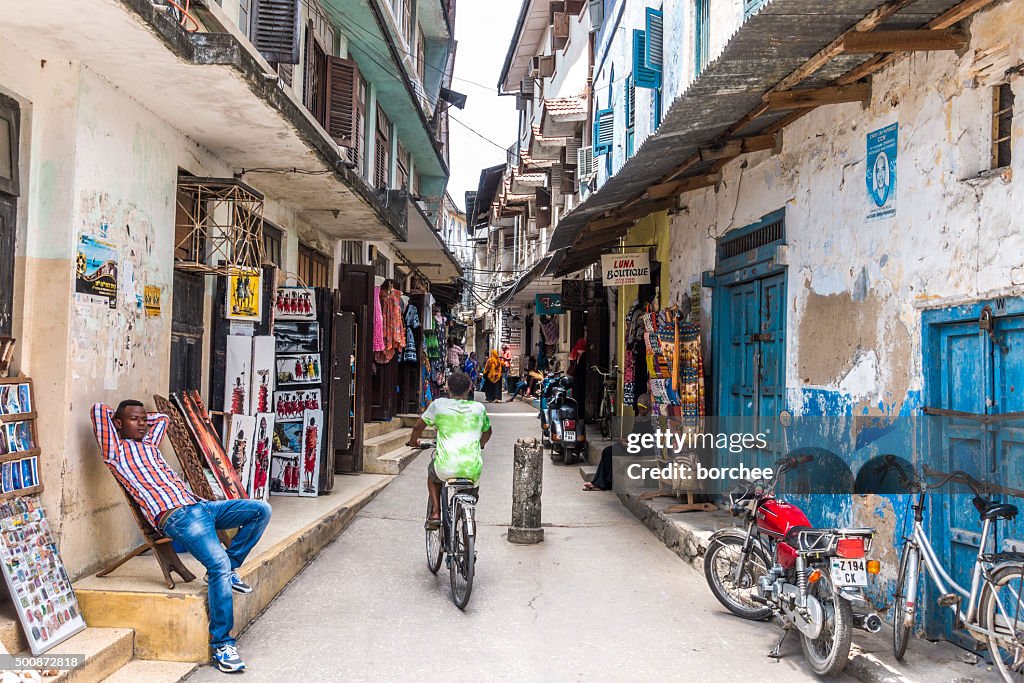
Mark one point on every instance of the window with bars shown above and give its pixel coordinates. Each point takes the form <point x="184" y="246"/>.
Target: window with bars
<point x="314" y="88"/>
<point x="244" y="14"/>
<point x="407" y="27"/>
<point x="421" y="61"/>
<point x="314" y="268"/>
<point x="273" y="240"/>
<point x="701" y="34"/>
<point x="1002" y="125"/>
<point x="382" y="152"/>
<point x="402" y="168"/>
<point x="381" y="265"/>
<point x="358" y="149"/>
<point x="352" y="252"/>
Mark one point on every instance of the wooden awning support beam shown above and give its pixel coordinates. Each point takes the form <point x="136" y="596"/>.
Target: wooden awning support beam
<point x="678" y="187"/>
<point x="730" y="149"/>
<point x="872" y="42"/>
<point x="596" y="239"/>
<point x="808" y="98"/>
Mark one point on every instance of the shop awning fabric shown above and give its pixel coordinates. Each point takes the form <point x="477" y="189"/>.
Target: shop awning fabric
<point x="741" y="102"/>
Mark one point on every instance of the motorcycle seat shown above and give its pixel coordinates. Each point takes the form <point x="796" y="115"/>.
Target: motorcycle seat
<point x="989" y="510"/>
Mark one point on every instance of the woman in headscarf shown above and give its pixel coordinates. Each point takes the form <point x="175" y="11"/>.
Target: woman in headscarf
<point x="493" y="370"/>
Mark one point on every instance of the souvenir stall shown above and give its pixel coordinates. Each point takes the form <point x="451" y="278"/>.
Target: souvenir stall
<point x="389" y="340"/>
<point x="416" y="317"/>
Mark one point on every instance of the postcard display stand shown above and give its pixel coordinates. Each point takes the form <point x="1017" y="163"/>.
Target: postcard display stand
<point x="35" y="576"/>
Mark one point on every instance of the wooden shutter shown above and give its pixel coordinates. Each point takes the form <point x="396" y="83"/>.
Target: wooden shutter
<point x="342" y="104"/>
<point x="643" y="76"/>
<point x="655" y="39"/>
<point x="584" y="163"/>
<point x="275" y="30"/>
<point x="604" y="132"/>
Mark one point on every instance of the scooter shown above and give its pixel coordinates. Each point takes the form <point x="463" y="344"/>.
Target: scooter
<point x="568" y="434"/>
<point x="547" y="390"/>
<point x="780" y="565"/>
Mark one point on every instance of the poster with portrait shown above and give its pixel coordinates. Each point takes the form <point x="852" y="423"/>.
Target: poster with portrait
<point x="263" y="375"/>
<point x="290" y="405"/>
<point x="96" y="266"/>
<point x="258" y="485"/>
<point x="239" y="444"/>
<point x="36" y="580"/>
<point x="312" y="431"/>
<point x="298" y="369"/>
<point x="244" y="293"/>
<point x="883" y="148"/>
<point x="294" y="303"/>
<point x="238" y="374"/>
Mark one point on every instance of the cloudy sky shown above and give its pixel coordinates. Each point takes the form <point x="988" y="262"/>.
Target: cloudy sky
<point x="483" y="29"/>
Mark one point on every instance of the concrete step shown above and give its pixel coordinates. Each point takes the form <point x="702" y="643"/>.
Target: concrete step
<point x="172" y="624"/>
<point x="151" y="671"/>
<point x="372" y="430"/>
<point x="12" y="637"/>
<point x="106" y="650"/>
<point x="408" y="419"/>
<point x="587" y="472"/>
<point x="392" y="462"/>
<point x="378" y="447"/>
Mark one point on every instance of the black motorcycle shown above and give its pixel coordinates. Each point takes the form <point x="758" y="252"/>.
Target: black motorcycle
<point x="566" y="430"/>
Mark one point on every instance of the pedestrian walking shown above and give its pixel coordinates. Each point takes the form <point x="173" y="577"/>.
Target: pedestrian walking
<point x="493" y="372"/>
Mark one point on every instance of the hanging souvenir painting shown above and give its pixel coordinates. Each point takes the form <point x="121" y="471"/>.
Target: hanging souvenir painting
<point x="290" y="405"/>
<point x="312" y="430"/>
<point x="244" y="292"/>
<point x="36" y="580"/>
<point x="263" y="446"/>
<point x="284" y="474"/>
<point x="288" y="437"/>
<point x="297" y="337"/>
<point x="263" y="375"/>
<point x="294" y="303"/>
<point x="239" y="444"/>
<point x="238" y="375"/>
<point x="304" y="369"/>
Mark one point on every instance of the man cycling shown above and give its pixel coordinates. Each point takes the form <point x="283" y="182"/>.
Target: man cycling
<point x="463" y="430"/>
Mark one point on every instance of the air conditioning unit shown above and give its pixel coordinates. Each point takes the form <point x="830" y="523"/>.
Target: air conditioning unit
<point x="526" y="88"/>
<point x="596" y="9"/>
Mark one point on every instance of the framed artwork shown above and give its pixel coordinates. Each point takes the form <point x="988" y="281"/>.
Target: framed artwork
<point x="288" y="437"/>
<point x="240" y="430"/>
<point x="312" y="430"/>
<point x="290" y="405"/>
<point x="262" y="387"/>
<point x="205" y="440"/>
<point x="188" y="456"/>
<point x="303" y="369"/>
<point x="297" y="337"/>
<point x="294" y="303"/>
<point x="238" y="375"/>
<point x="17" y="438"/>
<point x="263" y="446"/>
<point x="15" y="399"/>
<point x="244" y="294"/>
<point x="284" y="474"/>
<point x="36" y="580"/>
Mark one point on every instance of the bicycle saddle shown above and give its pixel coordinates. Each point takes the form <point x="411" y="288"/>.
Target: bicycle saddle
<point x="462" y="483"/>
<point x="989" y="510"/>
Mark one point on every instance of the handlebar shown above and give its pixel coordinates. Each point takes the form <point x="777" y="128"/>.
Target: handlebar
<point x="610" y="373"/>
<point x="425" y="444"/>
<point x="959" y="477"/>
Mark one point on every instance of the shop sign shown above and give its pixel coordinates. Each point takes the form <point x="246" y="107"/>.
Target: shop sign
<point x="881" y="172"/>
<point x="151" y="300"/>
<point x="96" y="266"/>
<point x="626" y="269"/>
<point x="244" y="294"/>
<point x="549" y="304"/>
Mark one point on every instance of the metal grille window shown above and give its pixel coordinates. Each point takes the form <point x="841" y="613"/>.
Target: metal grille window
<point x="382" y="156"/>
<point x="1002" y="125"/>
<point x="701" y="34"/>
<point x="750" y="241"/>
<point x="314" y="268"/>
<point x="381" y="265"/>
<point x="315" y="85"/>
<point x="272" y="244"/>
<point x="402" y="168"/>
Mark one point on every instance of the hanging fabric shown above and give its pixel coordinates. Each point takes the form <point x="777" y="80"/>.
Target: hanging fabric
<point x="378" y="322"/>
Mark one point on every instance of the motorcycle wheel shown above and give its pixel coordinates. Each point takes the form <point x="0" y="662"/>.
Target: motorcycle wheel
<point x="568" y="455"/>
<point x="719" y="565"/>
<point x="829" y="652"/>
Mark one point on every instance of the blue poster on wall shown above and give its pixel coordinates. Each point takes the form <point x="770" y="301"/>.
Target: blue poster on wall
<point x="549" y="304"/>
<point x="881" y="172"/>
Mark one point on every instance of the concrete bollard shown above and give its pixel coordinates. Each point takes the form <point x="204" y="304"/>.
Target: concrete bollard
<point x="527" y="477"/>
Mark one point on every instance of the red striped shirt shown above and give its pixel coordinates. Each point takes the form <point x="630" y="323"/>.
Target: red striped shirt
<point x="139" y="466"/>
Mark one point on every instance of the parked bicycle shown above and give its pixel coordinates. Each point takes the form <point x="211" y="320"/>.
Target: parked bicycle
<point x="455" y="540"/>
<point x="994" y="612"/>
<point x="607" y="410"/>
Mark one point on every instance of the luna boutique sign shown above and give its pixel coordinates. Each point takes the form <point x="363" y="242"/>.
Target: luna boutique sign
<point x="626" y="269"/>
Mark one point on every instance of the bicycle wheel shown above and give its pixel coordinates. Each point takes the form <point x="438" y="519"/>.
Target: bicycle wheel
<point x="1001" y="611"/>
<point x="606" y="419"/>
<point x="435" y="545"/>
<point x="900" y="629"/>
<point x="463" y="559"/>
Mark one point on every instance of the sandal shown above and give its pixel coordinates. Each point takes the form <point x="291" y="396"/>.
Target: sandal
<point x="591" y="487"/>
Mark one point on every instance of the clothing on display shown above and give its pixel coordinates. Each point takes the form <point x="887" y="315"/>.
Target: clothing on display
<point x="378" y="322"/>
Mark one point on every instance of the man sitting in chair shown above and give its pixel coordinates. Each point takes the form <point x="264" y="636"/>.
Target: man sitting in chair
<point x="130" y="440"/>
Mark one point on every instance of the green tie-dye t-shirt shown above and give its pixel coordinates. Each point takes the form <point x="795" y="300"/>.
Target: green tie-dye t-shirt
<point x="459" y="423"/>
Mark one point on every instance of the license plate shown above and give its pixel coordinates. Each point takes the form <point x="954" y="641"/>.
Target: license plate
<point x="570" y="436"/>
<point x="849" y="572"/>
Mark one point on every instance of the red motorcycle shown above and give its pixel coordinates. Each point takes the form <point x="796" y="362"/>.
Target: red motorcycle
<point x="781" y="566"/>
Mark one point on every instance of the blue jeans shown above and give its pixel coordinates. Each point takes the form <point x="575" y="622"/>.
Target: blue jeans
<point x="195" y="527"/>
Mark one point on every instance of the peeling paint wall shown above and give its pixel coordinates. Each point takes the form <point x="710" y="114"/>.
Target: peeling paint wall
<point x="856" y="288"/>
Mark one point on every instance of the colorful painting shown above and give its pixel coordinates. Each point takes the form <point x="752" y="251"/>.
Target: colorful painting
<point x="36" y="580"/>
<point x="16" y="437"/>
<point x="284" y="474"/>
<point x="239" y="445"/>
<point x="15" y="399"/>
<point x="96" y="271"/>
<point x="312" y="431"/>
<point x="262" y="375"/>
<point x="288" y="437"/>
<point x="238" y="375"/>
<point x="294" y="303"/>
<point x="245" y="295"/>
<point x="151" y="300"/>
<point x="205" y="439"/>
<point x="297" y="337"/>
<point x="304" y="369"/>
<point x="263" y="446"/>
<point x="290" y="405"/>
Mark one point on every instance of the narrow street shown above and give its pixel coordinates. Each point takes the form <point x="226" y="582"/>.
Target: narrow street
<point x="600" y="599"/>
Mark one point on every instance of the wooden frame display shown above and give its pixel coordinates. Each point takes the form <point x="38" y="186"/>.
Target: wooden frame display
<point x="206" y="441"/>
<point x="191" y="465"/>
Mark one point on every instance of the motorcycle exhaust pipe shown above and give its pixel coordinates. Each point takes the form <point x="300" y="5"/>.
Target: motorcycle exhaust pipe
<point x="867" y="622"/>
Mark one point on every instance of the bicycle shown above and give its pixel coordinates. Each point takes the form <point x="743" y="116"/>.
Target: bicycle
<point x="455" y="539"/>
<point x="607" y="410"/>
<point x="987" y="616"/>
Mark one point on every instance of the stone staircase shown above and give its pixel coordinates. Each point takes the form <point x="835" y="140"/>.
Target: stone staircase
<point x="384" y="449"/>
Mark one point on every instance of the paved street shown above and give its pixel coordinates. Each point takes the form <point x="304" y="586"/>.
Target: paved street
<point x="600" y="599"/>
